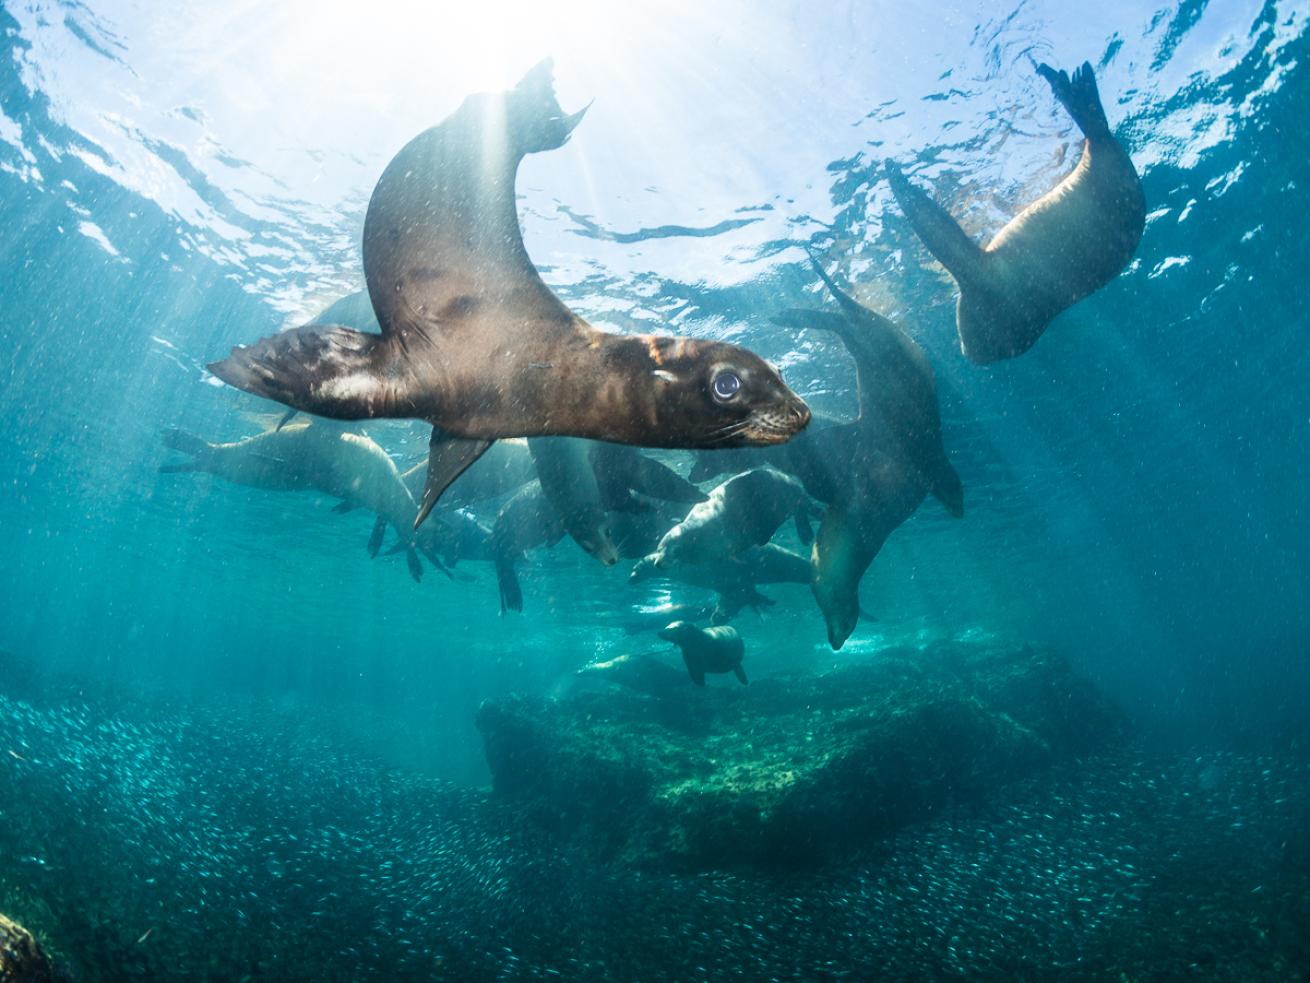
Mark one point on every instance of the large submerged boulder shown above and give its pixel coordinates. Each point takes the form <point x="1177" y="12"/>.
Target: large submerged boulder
<point x="21" y="957"/>
<point x="789" y="770"/>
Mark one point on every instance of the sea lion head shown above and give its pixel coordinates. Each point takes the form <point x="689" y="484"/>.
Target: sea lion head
<point x="713" y="394"/>
<point x="678" y="631"/>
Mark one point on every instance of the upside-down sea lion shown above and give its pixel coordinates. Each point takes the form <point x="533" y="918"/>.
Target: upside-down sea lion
<point x="475" y="343"/>
<point x="874" y="472"/>
<point x="312" y="456"/>
<point x="1065" y="245"/>
<point x="707" y="650"/>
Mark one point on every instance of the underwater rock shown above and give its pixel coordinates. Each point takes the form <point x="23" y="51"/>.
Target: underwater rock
<point x="793" y="770"/>
<point x="21" y="958"/>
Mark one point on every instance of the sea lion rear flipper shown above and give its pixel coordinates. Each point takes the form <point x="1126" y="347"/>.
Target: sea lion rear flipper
<point x="329" y="371"/>
<point x="184" y="442"/>
<point x="803" y="528"/>
<point x="415" y="568"/>
<point x="448" y="458"/>
<point x="948" y="243"/>
<point x="375" y="537"/>
<point x="511" y="594"/>
<point x="740" y="673"/>
<point x="1080" y="97"/>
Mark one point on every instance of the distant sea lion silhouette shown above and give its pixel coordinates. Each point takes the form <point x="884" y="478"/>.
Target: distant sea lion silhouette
<point x="744" y="511"/>
<point x="312" y="456"/>
<point x="707" y="650"/>
<point x="475" y="343"/>
<point x="1067" y="244"/>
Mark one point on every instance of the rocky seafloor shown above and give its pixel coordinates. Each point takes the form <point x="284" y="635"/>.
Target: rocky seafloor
<point x="232" y="844"/>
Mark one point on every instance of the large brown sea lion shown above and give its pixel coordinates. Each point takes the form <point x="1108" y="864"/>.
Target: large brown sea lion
<point x="1068" y="243"/>
<point x="475" y="343"/>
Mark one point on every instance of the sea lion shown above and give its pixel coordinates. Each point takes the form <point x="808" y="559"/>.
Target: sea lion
<point x="312" y="456"/>
<point x="897" y="389"/>
<point x="746" y="510"/>
<point x="706" y="650"/>
<point x="475" y="343"/>
<point x="1065" y="245"/>
<point x="569" y="481"/>
<point x="874" y="472"/>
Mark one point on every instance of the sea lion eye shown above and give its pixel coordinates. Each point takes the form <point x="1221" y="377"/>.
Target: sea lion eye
<point x="726" y="385"/>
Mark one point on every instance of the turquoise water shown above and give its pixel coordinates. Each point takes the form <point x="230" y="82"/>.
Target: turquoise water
<point x="176" y="182"/>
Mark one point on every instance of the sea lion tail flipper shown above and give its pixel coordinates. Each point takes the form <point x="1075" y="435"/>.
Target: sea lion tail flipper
<point x="184" y="442"/>
<point x="375" y="537"/>
<point x="949" y="244"/>
<point x="803" y="527"/>
<point x="740" y="673"/>
<point x="948" y="489"/>
<point x="1079" y="96"/>
<point x="539" y="122"/>
<point x="329" y="371"/>
<point x="511" y="593"/>
<point x="415" y="568"/>
<point x="448" y="458"/>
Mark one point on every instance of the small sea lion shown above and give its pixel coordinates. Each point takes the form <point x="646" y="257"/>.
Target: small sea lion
<point x="1065" y="245"/>
<point x="475" y="343"/>
<point x="312" y="456"/>
<point x="569" y="481"/>
<point x="744" y="511"/>
<point x="897" y="388"/>
<point x="707" y="650"/>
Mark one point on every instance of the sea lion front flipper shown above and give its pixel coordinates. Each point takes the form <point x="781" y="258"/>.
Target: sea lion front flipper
<point x="448" y="458"/>
<point x="375" y="537"/>
<point x="287" y="417"/>
<point x="344" y="508"/>
<point x="740" y="673"/>
<point x="1079" y="97"/>
<point x="697" y="675"/>
<point x="949" y="244"/>
<point x="415" y="568"/>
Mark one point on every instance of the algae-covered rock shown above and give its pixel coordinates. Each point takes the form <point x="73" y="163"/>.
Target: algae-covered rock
<point x="21" y="957"/>
<point x="791" y="769"/>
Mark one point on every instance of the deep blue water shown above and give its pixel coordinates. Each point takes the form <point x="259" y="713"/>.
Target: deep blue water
<point x="174" y="182"/>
